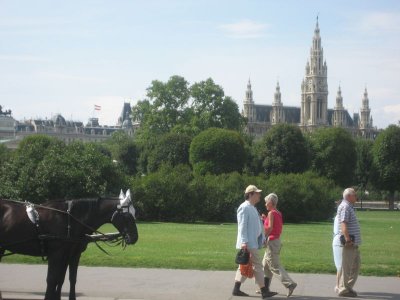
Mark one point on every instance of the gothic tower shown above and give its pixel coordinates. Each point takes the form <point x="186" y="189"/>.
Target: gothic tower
<point x="314" y="88"/>
<point x="249" y="110"/>
<point x="277" y="115"/>
<point x="339" y="113"/>
<point x="365" y="120"/>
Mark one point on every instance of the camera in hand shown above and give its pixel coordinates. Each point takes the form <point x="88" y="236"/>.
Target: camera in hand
<point x="343" y="239"/>
<point x="242" y="257"/>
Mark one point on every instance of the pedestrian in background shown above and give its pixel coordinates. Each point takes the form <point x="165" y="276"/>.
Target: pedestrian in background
<point x="251" y="238"/>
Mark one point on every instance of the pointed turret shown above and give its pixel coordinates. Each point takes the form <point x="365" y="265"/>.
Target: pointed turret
<point x="249" y="93"/>
<point x="249" y="110"/>
<point x="339" y="99"/>
<point x="277" y="114"/>
<point x="339" y="113"/>
<point x="316" y="30"/>
<point x="277" y="95"/>
<point x="365" y="121"/>
<point x="365" y="100"/>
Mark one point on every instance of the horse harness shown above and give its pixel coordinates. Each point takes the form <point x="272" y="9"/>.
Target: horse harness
<point x="34" y="217"/>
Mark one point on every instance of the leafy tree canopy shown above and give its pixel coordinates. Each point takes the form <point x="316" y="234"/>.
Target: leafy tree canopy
<point x="217" y="151"/>
<point x="284" y="150"/>
<point x="334" y="155"/>
<point x="172" y="149"/>
<point x="386" y="157"/>
<point x="176" y="106"/>
<point x="44" y="168"/>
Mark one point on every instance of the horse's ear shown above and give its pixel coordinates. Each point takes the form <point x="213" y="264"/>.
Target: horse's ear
<point x="128" y="194"/>
<point x="121" y="195"/>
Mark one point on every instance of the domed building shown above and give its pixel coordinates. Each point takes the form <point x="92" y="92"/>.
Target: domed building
<point x="66" y="130"/>
<point x="7" y="123"/>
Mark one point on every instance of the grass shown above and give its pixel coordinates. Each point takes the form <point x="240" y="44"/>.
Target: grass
<point x="306" y="247"/>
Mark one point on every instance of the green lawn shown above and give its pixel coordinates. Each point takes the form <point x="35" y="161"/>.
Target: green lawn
<point x="307" y="247"/>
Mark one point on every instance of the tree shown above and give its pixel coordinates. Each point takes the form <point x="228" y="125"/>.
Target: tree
<point x="334" y="155"/>
<point x="44" y="168"/>
<point x="364" y="166"/>
<point x="217" y="151"/>
<point x="230" y="115"/>
<point x="20" y="175"/>
<point x="212" y="108"/>
<point x="165" y="105"/>
<point x="92" y="173"/>
<point x="5" y="154"/>
<point x="172" y="149"/>
<point x="386" y="157"/>
<point x="304" y="197"/>
<point x="165" y="196"/>
<point x="124" y="152"/>
<point x="173" y="106"/>
<point x="284" y="150"/>
<point x="141" y="110"/>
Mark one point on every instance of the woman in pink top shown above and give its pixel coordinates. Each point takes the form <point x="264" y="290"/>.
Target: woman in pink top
<point x="273" y="229"/>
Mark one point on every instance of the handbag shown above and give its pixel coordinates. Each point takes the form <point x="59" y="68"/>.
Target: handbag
<point x="343" y="239"/>
<point x="247" y="270"/>
<point x="242" y="257"/>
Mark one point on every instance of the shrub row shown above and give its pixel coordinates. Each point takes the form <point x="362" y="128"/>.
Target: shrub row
<point x="175" y="194"/>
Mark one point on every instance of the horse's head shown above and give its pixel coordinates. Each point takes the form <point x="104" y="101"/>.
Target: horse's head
<point x="124" y="218"/>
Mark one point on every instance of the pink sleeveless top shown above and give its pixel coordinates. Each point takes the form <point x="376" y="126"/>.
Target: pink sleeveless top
<point x="277" y="226"/>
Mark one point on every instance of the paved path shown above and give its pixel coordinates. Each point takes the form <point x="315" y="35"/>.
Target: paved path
<point x="28" y="282"/>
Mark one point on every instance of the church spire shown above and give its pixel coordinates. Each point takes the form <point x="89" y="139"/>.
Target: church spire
<point x="316" y="30"/>
<point x="365" y="100"/>
<point x="314" y="107"/>
<point x="339" y="99"/>
<point x="277" y="113"/>
<point x="277" y="95"/>
<point x="365" y="111"/>
<point x="249" y="93"/>
<point x="339" y="115"/>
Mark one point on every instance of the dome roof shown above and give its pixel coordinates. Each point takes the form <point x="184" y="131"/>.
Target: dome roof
<point x="59" y="120"/>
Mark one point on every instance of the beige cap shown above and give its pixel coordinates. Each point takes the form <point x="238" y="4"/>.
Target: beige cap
<point x="252" y="188"/>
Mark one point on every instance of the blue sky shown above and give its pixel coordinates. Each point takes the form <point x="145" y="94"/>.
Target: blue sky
<point x="66" y="56"/>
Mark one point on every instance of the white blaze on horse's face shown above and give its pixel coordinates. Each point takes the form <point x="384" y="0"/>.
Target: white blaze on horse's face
<point x="125" y="201"/>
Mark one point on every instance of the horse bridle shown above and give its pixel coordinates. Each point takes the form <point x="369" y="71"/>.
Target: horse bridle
<point x="123" y="210"/>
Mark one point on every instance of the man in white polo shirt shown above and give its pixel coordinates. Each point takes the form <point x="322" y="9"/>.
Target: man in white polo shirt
<point x="350" y="229"/>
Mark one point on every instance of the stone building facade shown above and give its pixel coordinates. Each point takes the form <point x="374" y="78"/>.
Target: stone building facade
<point x="13" y="131"/>
<point x="313" y="112"/>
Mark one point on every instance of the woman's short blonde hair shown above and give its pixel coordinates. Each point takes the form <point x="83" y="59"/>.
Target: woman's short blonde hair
<point x="273" y="198"/>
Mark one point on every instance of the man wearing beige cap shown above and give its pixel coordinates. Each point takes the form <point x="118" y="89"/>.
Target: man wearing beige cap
<point x="251" y="237"/>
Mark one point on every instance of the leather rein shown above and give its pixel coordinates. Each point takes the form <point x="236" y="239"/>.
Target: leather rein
<point x="110" y="240"/>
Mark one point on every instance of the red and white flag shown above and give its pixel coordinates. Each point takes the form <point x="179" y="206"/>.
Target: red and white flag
<point x="97" y="107"/>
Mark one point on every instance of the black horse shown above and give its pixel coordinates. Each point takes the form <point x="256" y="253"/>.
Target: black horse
<point x="61" y="232"/>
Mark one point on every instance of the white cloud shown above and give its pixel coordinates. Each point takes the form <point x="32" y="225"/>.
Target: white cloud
<point x="245" y="29"/>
